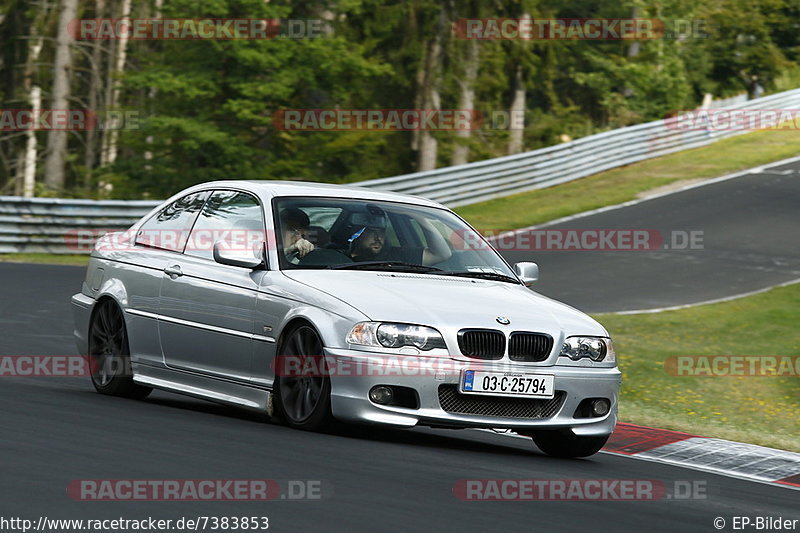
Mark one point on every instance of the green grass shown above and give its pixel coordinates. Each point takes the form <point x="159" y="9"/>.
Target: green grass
<point x="759" y="410"/>
<point x="49" y="259"/>
<point x="624" y="184"/>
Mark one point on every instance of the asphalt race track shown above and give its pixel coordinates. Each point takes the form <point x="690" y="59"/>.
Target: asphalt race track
<point x="749" y="237"/>
<point x="56" y="430"/>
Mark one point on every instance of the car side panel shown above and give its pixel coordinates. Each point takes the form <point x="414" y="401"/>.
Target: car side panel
<point x="281" y="301"/>
<point x="131" y="276"/>
<point x="215" y="305"/>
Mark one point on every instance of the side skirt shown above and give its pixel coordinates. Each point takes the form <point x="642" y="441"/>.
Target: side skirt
<point x="203" y="387"/>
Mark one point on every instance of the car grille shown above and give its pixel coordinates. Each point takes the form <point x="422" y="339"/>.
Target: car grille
<point x="529" y="347"/>
<point x="453" y="401"/>
<point x="482" y="343"/>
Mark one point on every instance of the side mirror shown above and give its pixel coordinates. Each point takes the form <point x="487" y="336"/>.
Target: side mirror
<point x="224" y="255"/>
<point x="527" y="272"/>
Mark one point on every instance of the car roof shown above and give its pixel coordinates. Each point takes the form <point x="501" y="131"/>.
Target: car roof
<point x="273" y="188"/>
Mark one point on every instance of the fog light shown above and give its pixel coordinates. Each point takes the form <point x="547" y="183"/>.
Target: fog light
<point x="381" y="394"/>
<point x="601" y="407"/>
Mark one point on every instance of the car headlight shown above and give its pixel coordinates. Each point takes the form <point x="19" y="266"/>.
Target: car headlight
<point x="391" y="335"/>
<point x="595" y="348"/>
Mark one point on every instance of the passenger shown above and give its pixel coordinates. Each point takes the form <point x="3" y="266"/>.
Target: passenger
<point x="368" y="243"/>
<point x="294" y="227"/>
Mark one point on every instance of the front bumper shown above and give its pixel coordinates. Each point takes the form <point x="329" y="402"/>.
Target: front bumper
<point x="350" y="393"/>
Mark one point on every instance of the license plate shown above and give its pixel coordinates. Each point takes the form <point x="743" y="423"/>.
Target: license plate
<point x="508" y="384"/>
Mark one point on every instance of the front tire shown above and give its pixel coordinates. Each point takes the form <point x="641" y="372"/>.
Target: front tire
<point x="304" y="400"/>
<point x="109" y="354"/>
<point x="565" y="444"/>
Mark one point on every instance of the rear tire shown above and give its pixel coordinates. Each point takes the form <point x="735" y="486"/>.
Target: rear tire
<point x="109" y="354"/>
<point x="304" y="401"/>
<point x="565" y="444"/>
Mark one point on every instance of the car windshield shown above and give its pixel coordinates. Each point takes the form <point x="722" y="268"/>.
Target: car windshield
<point x="344" y="234"/>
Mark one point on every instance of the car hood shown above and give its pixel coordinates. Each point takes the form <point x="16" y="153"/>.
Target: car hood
<point x="449" y="302"/>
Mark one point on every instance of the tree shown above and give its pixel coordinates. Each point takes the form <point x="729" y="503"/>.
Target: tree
<point x="111" y="136"/>
<point x="31" y="87"/>
<point x="62" y="74"/>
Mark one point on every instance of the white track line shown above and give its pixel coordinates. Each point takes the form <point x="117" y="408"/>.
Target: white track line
<point x="700" y="468"/>
<point x="680" y="464"/>
<point x="705" y="302"/>
<point x="754" y="170"/>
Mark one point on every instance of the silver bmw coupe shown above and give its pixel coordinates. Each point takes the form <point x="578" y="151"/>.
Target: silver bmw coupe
<point x="319" y="303"/>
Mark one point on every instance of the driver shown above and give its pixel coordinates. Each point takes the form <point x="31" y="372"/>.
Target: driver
<point x="368" y="242"/>
<point x="294" y="226"/>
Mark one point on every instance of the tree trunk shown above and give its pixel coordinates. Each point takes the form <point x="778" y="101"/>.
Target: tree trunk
<point x="119" y="68"/>
<point x="516" y="123"/>
<point x="419" y="99"/>
<point x="427" y="147"/>
<point x="25" y="185"/>
<point x="19" y="172"/>
<point x="151" y="95"/>
<point x="62" y="70"/>
<point x="635" y="47"/>
<point x="517" y="109"/>
<point x="26" y="169"/>
<point x="29" y="174"/>
<point x="108" y="87"/>
<point x="633" y="51"/>
<point x="466" y="101"/>
<point x="95" y="89"/>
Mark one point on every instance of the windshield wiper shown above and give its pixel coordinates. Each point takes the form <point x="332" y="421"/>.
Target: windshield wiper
<point x="392" y="266"/>
<point x="494" y="276"/>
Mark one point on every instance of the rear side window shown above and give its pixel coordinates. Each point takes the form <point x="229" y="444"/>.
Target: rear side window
<point x="230" y="216"/>
<point x="322" y="217"/>
<point x="169" y="228"/>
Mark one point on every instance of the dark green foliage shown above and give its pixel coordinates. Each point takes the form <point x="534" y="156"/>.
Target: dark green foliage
<point x="206" y="107"/>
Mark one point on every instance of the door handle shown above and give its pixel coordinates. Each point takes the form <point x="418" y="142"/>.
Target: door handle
<point x="174" y="271"/>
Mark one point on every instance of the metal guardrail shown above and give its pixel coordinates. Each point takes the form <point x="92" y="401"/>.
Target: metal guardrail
<point x="502" y="176"/>
<point x="64" y="226"/>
